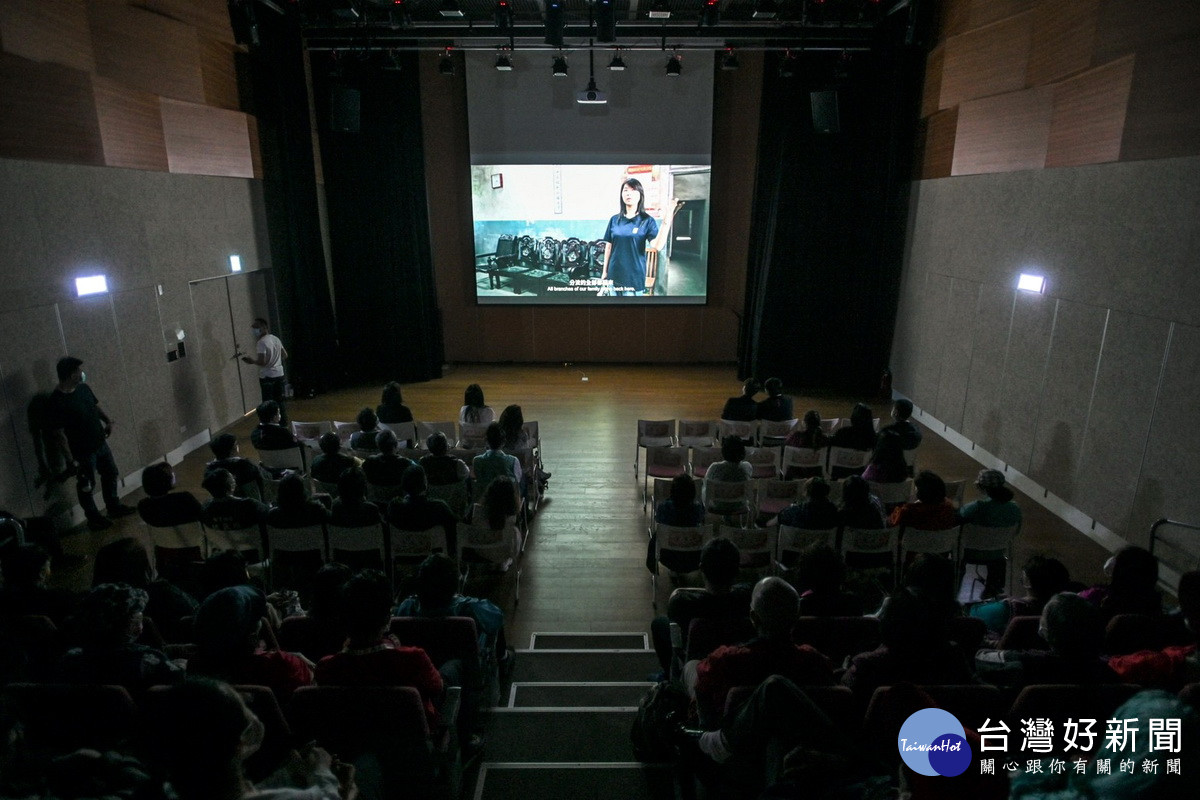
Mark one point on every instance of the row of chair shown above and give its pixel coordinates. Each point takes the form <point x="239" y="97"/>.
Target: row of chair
<point x="705" y="432"/>
<point x="461" y="434"/>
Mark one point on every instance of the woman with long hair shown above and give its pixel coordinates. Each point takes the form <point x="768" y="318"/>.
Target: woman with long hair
<point x="391" y="409"/>
<point x="475" y="409"/>
<point x="629" y="233"/>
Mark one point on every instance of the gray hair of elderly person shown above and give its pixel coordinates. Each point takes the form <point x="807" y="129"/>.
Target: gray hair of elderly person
<point x="386" y="441"/>
<point x="437" y="443"/>
<point x="774" y="607"/>
<point x="1072" y="626"/>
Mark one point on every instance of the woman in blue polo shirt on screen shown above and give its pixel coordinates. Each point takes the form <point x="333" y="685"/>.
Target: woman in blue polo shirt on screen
<point x="626" y="238"/>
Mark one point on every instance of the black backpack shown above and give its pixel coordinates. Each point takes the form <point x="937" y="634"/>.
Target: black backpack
<point x="662" y="707"/>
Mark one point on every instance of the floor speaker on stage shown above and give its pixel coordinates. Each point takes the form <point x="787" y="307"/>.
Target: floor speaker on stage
<point x="825" y="111"/>
<point x="345" y="109"/>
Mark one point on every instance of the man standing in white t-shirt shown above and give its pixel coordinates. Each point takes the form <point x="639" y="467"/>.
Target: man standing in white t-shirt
<point x="269" y="360"/>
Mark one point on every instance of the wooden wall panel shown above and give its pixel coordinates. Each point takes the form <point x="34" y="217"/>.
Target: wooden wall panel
<point x="1163" y="120"/>
<point x="255" y="146"/>
<point x="1005" y="133"/>
<point x="210" y="16"/>
<point x="955" y="18"/>
<point x="1125" y="26"/>
<point x="130" y="126"/>
<point x="1064" y="35"/>
<point x="987" y="61"/>
<point x="219" y="74"/>
<point x="1089" y="116"/>
<point x="47" y="113"/>
<point x="931" y="94"/>
<point x="146" y="51"/>
<point x="985" y="12"/>
<point x="206" y="141"/>
<point x="48" y="30"/>
<point x="938" y="158"/>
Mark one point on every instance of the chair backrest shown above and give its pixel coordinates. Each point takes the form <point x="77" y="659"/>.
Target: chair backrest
<point x="655" y="432"/>
<point x="954" y="492"/>
<point x="870" y="540"/>
<point x="666" y="462"/>
<point x="361" y="539"/>
<point x="296" y="540"/>
<point x="913" y="540"/>
<point x="828" y="426"/>
<point x="794" y="540"/>
<point x="703" y="458"/>
<point x="383" y="494"/>
<point x="310" y="431"/>
<point x="184" y="536"/>
<point x="727" y="494"/>
<point x="755" y="544"/>
<point x="805" y="458"/>
<point x="277" y="741"/>
<point x="62" y="718"/>
<point x="838" y="637"/>
<point x="442" y="638"/>
<point x="456" y="495"/>
<point x="1021" y="633"/>
<point x="324" y="487"/>
<point x="910" y="458"/>
<point x="778" y="493"/>
<point x="679" y="539"/>
<point x="736" y="427"/>
<point x="414" y="545"/>
<point x="286" y="458"/>
<point x="893" y="493"/>
<point x="978" y="537"/>
<point x="764" y="461"/>
<point x="423" y="430"/>
<point x="769" y="430"/>
<point x="472" y="435"/>
<point x="848" y="458"/>
<point x="482" y="539"/>
<point x="235" y="538"/>
<point x="705" y="634"/>
<point x="532" y="432"/>
<point x="697" y="432"/>
<point x="345" y="430"/>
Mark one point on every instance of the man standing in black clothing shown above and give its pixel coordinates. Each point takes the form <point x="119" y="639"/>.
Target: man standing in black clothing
<point x="82" y="429"/>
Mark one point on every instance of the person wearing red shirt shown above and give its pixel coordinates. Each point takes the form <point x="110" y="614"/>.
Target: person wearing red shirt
<point x="372" y="656"/>
<point x="931" y="511"/>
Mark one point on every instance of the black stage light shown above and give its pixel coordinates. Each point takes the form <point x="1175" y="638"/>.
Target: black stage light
<point x="787" y="67"/>
<point x="555" y="23"/>
<point x="617" y="64"/>
<point x="729" y="60"/>
<point x="606" y="21"/>
<point x="398" y="16"/>
<point x="504" y="16"/>
<point x="504" y="61"/>
<point x="710" y="13"/>
<point x="446" y="63"/>
<point x="674" y="66"/>
<point x="559" y="68"/>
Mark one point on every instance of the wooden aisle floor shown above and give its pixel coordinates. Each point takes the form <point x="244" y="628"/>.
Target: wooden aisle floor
<point x="583" y="569"/>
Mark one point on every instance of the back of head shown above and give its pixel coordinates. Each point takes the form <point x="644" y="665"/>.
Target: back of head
<point x="720" y="560"/>
<point x="774" y="386"/>
<point x="812" y="420"/>
<point x="226" y="626"/>
<point x="329" y="443"/>
<point x="733" y="449"/>
<point x="861" y="416"/>
<point x="889" y="449"/>
<point x="495" y="435"/>
<point x="437" y="581"/>
<point x="1073" y="626"/>
<point x="66" y="366"/>
<point x="902" y="408"/>
<point x="820" y="568"/>
<point x="1135" y="570"/>
<point x="222" y="445"/>
<point x="1047" y="577"/>
<point x="391" y="394"/>
<point x="366" y="605"/>
<point x="105" y="615"/>
<point x="414" y="481"/>
<point x="123" y="560"/>
<point x="774" y="606"/>
<point x="500" y="501"/>
<point x="194" y="731"/>
<point x="157" y="479"/>
<point x="473" y="396"/>
<point x="352" y="486"/>
<point x="683" y="491"/>
<point x="24" y="566"/>
<point x="267" y="411"/>
<point x="219" y="482"/>
<point x="366" y="419"/>
<point x="327" y="590"/>
<point x="855" y="491"/>
<point x="930" y="487"/>
<point x="437" y="443"/>
<point x="511" y="419"/>
<point x="222" y="570"/>
<point x="816" y="489"/>
<point x="991" y="482"/>
<point x="387" y="442"/>
<point x="291" y="493"/>
<point x="909" y="624"/>
<point x="751" y="387"/>
<point x="931" y="576"/>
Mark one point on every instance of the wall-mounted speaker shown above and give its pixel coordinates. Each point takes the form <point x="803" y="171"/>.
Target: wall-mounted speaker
<point x="825" y="111"/>
<point x="345" y="109"/>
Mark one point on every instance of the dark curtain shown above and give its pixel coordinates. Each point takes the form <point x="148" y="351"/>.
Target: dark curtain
<point x="829" y="220"/>
<point x="388" y="322"/>
<point x="273" y="89"/>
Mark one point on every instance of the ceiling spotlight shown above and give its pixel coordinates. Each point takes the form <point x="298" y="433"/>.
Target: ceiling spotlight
<point x="660" y="9"/>
<point x="391" y="61"/>
<point x="617" y="64"/>
<point x="710" y="13"/>
<point x="765" y="9"/>
<point x="446" y="63"/>
<point x="787" y="67"/>
<point x="674" y="66"/>
<point x="450" y="8"/>
<point x="504" y="61"/>
<point x="560" y="66"/>
<point x="729" y="60"/>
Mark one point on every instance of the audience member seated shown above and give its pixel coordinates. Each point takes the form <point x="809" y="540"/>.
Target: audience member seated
<point x="126" y="561"/>
<point x="733" y="468"/>
<point x="226" y="455"/>
<point x="226" y="511"/>
<point x="1074" y="630"/>
<point x="351" y="509"/>
<point x="494" y="462"/>
<point x="743" y="408"/>
<point x="930" y="578"/>
<point x="26" y="571"/>
<point x="1042" y="578"/>
<point x="818" y="577"/>
<point x="776" y="407"/>
<point x="387" y="467"/>
<point x="364" y="438"/>
<point x="1175" y="666"/>
<point x="887" y="463"/>
<point x="294" y="508"/>
<point x="860" y="508"/>
<point x="1133" y="588"/>
<point x="860" y="433"/>
<point x="931" y="511"/>
<point x="815" y="512"/>
<point x="774" y="608"/>
<point x="910" y="434"/>
<point x="162" y="508"/>
<point x="440" y="468"/>
<point x="372" y="656"/>
<point x="325" y="633"/>
<point x="681" y="510"/>
<point x="474" y="409"/>
<point x="416" y="512"/>
<point x="228" y="636"/>
<point x="719" y="597"/>
<point x="497" y="511"/>
<point x="201" y="732"/>
<point x="808" y="433"/>
<point x="332" y="462"/>
<point x="270" y="434"/>
<point x="391" y="409"/>
<point x="106" y="627"/>
<point x="516" y="438"/>
<point x="997" y="510"/>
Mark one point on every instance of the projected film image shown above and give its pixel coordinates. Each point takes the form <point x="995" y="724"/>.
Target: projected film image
<point x="586" y="233"/>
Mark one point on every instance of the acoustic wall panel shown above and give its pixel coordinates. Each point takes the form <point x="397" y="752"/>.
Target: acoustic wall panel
<point x="938" y="157"/>
<point x="1127" y="26"/>
<point x="987" y="61"/>
<point x="1163" y="120"/>
<point x="1064" y="35"/>
<point x="210" y="16"/>
<point x="48" y="30"/>
<point x="146" y="51"/>
<point x="217" y="70"/>
<point x="985" y="401"/>
<point x="151" y="423"/>
<point x="1127" y="379"/>
<point x="932" y="92"/>
<point x="47" y="113"/>
<point x="1089" y="116"/>
<point x="206" y="141"/>
<point x="928" y="367"/>
<point x="1025" y="375"/>
<point x="1005" y="133"/>
<point x="985" y="12"/>
<point x="954" y="346"/>
<point x="131" y="129"/>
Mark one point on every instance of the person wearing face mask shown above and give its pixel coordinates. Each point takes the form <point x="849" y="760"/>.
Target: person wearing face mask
<point x="81" y="429"/>
<point x="268" y="357"/>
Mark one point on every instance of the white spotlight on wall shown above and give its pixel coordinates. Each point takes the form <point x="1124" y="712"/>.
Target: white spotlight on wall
<point x="91" y="284"/>
<point x="235" y="263"/>
<point x="1031" y="283"/>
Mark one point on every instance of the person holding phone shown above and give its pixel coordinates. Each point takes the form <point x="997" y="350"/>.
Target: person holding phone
<point x="626" y="238"/>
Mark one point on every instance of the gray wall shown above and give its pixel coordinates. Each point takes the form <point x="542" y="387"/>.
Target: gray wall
<point x="1090" y="389"/>
<point x="145" y="230"/>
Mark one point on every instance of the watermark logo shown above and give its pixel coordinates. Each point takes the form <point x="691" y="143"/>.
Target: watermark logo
<point x="933" y="742"/>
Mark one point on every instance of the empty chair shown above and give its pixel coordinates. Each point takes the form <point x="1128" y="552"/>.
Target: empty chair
<point x="757" y="545"/>
<point x="844" y="461"/>
<point x="663" y="462"/>
<point x="532" y="434"/>
<point x="775" y="495"/>
<point x="697" y="433"/>
<point x="871" y="541"/>
<point x="703" y="458"/>
<point x="652" y="433"/>
<point x="359" y="547"/>
<point x="176" y="548"/>
<point x="772" y="433"/>
<point x="893" y="494"/>
<point x="679" y="541"/>
<point x="804" y="462"/>
<point x="746" y="431"/>
<point x="979" y="544"/>
<point x="944" y="542"/>
<point x="792" y="541"/>
<point x="764" y="461"/>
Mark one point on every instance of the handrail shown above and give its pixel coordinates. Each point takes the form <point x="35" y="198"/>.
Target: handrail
<point x="1154" y="535"/>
